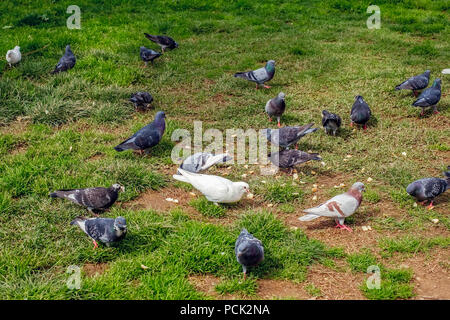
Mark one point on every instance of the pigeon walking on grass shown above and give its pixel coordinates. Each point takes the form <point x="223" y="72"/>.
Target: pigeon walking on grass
<point x="248" y="250"/>
<point x="148" y="55"/>
<point x="105" y="230"/>
<point x="201" y="161"/>
<point x="289" y="158"/>
<point x="287" y="136"/>
<point x="429" y="188"/>
<point x="66" y="62"/>
<point x="13" y="56"/>
<point x="141" y="99"/>
<point x="360" y="113"/>
<point x="275" y="107"/>
<point x="429" y="97"/>
<point x="163" y="41"/>
<point x="260" y="76"/>
<point x="330" y="122"/>
<point x="415" y="83"/>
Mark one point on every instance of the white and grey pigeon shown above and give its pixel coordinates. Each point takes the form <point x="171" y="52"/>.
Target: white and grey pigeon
<point x="287" y="136"/>
<point x="429" y="97"/>
<point x="289" y="158"/>
<point x="147" y="137"/>
<point x="66" y="62"/>
<point x="148" y="55"/>
<point x="415" y="83"/>
<point x="275" y="107"/>
<point x="105" y="230"/>
<point x="338" y="207"/>
<point x="141" y="99"/>
<point x="163" y="41"/>
<point x="216" y="189"/>
<point x="360" y="113"/>
<point x="429" y="188"/>
<point x="331" y="122"/>
<point x="94" y="199"/>
<point x="260" y="76"/>
<point x="249" y="250"/>
<point x="201" y="161"/>
<point x="13" y="56"/>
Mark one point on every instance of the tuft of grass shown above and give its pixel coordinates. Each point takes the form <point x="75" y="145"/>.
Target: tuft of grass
<point x="281" y="192"/>
<point x="246" y="287"/>
<point x="410" y="244"/>
<point x="359" y="262"/>
<point x="313" y="290"/>
<point x="395" y="284"/>
<point x="207" y="208"/>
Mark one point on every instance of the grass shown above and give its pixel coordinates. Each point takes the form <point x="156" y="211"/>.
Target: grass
<point x="207" y="208"/>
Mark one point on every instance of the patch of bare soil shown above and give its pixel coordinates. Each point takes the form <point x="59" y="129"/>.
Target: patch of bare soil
<point x="281" y="289"/>
<point x="94" y="269"/>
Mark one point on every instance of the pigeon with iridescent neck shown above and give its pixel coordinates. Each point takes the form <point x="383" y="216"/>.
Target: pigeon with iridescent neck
<point x="249" y="250"/>
<point x="429" y="97"/>
<point x="105" y="230"/>
<point x="260" y="76"/>
<point x="429" y="188"/>
<point x="360" y="113"/>
<point x="275" y="107"/>
<point x="66" y="62"/>
<point x="415" y="83"/>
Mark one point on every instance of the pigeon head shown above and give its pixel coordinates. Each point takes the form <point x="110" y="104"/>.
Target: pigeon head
<point x="242" y="187"/>
<point x="281" y="95"/>
<point x="117" y="187"/>
<point x="427" y="73"/>
<point x="160" y="115"/>
<point x="270" y="65"/>
<point x="120" y="224"/>
<point x="17" y="48"/>
<point x="358" y="186"/>
<point x="412" y="188"/>
<point x="360" y="98"/>
<point x="437" y="83"/>
<point x="324" y="113"/>
<point x="176" y="44"/>
<point x="68" y="48"/>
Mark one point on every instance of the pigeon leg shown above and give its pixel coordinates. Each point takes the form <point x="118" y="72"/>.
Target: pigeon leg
<point x="279" y="123"/>
<point x="430" y="206"/>
<point x="245" y="276"/>
<point x="423" y="112"/>
<point x="415" y="93"/>
<point x="266" y="86"/>
<point x="296" y="146"/>
<point x="145" y="64"/>
<point x="346" y="227"/>
<point x="351" y="124"/>
<point x="435" y="111"/>
<point x="423" y="203"/>
<point x="95" y="244"/>
<point x="365" y="126"/>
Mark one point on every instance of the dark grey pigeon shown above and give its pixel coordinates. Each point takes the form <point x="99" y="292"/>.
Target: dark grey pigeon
<point x="415" y="83"/>
<point x="275" y="107"/>
<point x="105" y="230"/>
<point x="201" y="161"/>
<point x="148" y="55"/>
<point x="429" y="97"/>
<point x="360" y="113"/>
<point x="248" y="250"/>
<point x="66" y="62"/>
<point x="331" y="122"/>
<point x="141" y="99"/>
<point x="94" y="199"/>
<point x="147" y="137"/>
<point x="429" y="188"/>
<point x="163" y="41"/>
<point x="289" y="158"/>
<point x="260" y="76"/>
<point x="287" y="136"/>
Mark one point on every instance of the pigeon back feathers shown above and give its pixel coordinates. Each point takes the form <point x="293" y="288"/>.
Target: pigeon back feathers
<point x="360" y="112"/>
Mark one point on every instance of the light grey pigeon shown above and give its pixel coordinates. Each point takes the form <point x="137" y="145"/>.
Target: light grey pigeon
<point x="287" y="136"/>
<point x="415" y="83"/>
<point x="141" y="99"/>
<point x="429" y="97"/>
<point x="429" y="188"/>
<point x="146" y="137"/>
<point x="163" y="41"/>
<point x="360" y="113"/>
<point x="275" y="107"/>
<point x="105" y="230"/>
<point x="249" y="251"/>
<point x="66" y="62"/>
<point x="260" y="76"/>
<point x="216" y="189"/>
<point x="330" y="122"/>
<point x="13" y="56"/>
<point x="94" y="199"/>
<point x="338" y="207"/>
<point x="201" y="161"/>
<point x="148" y="55"/>
<point x="289" y="158"/>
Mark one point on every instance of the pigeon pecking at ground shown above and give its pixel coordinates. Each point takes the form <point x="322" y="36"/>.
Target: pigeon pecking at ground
<point x="429" y="97"/>
<point x="261" y="75"/>
<point x="360" y="113"/>
<point x="415" y="83"/>
<point x="216" y="189"/>
<point x="248" y="250"/>
<point x="429" y="188"/>
<point x="141" y="99"/>
<point x="146" y="137"/>
<point x="289" y="158"/>
<point x="148" y="55"/>
<point x="13" y="56"/>
<point x="338" y="207"/>
<point x="66" y="62"/>
<point x="275" y="107"/>
<point x="94" y="199"/>
<point x="105" y="230"/>
<point x="163" y="41"/>
<point x="201" y="161"/>
<point x="287" y="136"/>
<point x="330" y="122"/>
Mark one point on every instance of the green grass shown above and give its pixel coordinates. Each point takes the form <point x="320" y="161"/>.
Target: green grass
<point x="395" y="284"/>
<point x="411" y="244"/>
<point x="237" y="285"/>
<point x="207" y="208"/>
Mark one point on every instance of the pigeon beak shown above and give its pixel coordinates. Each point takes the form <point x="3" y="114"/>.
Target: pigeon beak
<point x="122" y="188"/>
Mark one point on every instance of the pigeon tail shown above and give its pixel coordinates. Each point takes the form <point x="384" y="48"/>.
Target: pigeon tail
<point x="180" y="177"/>
<point x="308" y="217"/>
<point x="315" y="156"/>
<point x="216" y="159"/>
<point x="242" y="75"/>
<point x="54" y="195"/>
<point x="118" y="148"/>
<point x="309" y="131"/>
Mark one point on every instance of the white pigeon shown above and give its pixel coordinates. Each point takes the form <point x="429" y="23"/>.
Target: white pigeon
<point x="13" y="56"/>
<point x="216" y="189"/>
<point x="338" y="207"/>
<point x="446" y="71"/>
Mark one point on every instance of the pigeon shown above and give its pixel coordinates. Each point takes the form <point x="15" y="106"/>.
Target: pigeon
<point x="216" y="189"/>
<point x="248" y="250"/>
<point x="106" y="230"/>
<point x="95" y="199"/>
<point x="446" y="71"/>
<point x="261" y="75"/>
<point x="163" y="41"/>
<point x="360" y="113"/>
<point x="13" y="56"/>
<point x="66" y="62"/>
<point x="429" y="97"/>
<point x="415" y="83"/>
<point x="429" y="188"/>
<point x="289" y="158"/>
<point x="146" y="137"/>
<point x="148" y="55"/>
<point x="201" y="161"/>
<point x="141" y="99"/>
<point x="287" y="136"/>
<point x="330" y="122"/>
<point x="338" y="207"/>
<point x="275" y="107"/>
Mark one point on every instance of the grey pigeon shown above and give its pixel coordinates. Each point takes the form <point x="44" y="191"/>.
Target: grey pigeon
<point x="201" y="161"/>
<point x="94" y="199"/>
<point x="105" y="230"/>
<point x="275" y="107"/>
<point x="287" y="136"/>
<point x="141" y="99"/>
<point x="429" y="97"/>
<point x="248" y="250"/>
<point x="330" y="122"/>
<point x="148" y="55"/>
<point x="415" y="83"/>
<point x="146" y="137"/>
<point x="429" y="188"/>
<point x="163" y="41"/>
<point x="360" y="113"/>
<point x="260" y="76"/>
<point x="289" y="158"/>
<point x="66" y="62"/>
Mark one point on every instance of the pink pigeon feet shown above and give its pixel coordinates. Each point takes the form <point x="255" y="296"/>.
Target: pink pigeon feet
<point x="279" y="125"/>
<point x="365" y="127"/>
<point x="343" y="226"/>
<point x="430" y="206"/>
<point x="351" y="124"/>
<point x="95" y="244"/>
<point x="267" y="87"/>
